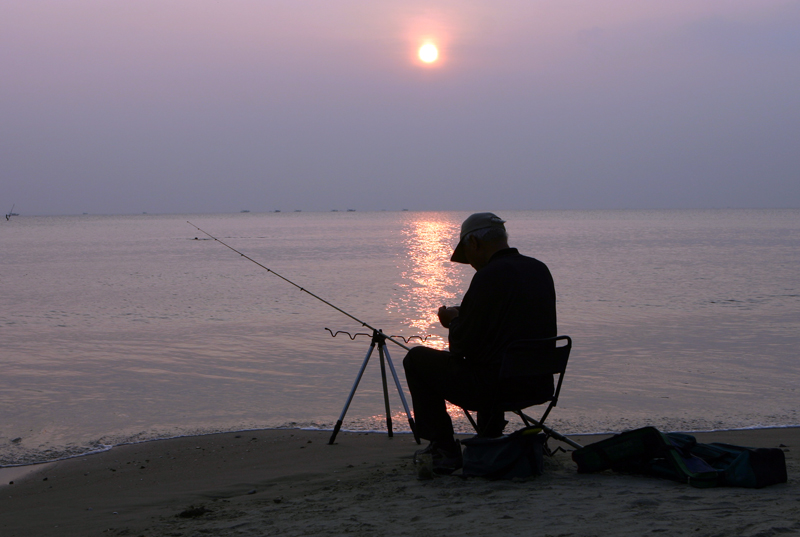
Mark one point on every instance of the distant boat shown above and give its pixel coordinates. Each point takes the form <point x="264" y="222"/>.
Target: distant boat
<point x="277" y="210"/>
<point x="244" y="211"/>
<point x="334" y="210"/>
<point x="351" y="210"/>
<point x="298" y="211"/>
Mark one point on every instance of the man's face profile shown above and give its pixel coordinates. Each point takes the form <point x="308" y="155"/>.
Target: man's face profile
<point x="472" y="251"/>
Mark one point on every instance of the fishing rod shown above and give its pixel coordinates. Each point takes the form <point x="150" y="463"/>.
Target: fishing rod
<point x="362" y="323"/>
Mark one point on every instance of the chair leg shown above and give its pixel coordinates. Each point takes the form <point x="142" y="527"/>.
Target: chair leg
<point x="524" y="418"/>
<point x="471" y="420"/>
<point x="558" y="436"/>
<point x="529" y="421"/>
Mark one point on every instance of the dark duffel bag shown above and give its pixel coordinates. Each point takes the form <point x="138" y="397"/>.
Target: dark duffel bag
<point x="645" y="451"/>
<point x="737" y="466"/>
<point x="680" y="457"/>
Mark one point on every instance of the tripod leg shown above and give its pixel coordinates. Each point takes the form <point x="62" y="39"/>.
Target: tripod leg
<point x="352" y="393"/>
<point x="385" y="392"/>
<point x="402" y="396"/>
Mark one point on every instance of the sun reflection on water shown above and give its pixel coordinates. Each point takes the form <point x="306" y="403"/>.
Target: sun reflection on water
<point x="377" y="422"/>
<point x="428" y="279"/>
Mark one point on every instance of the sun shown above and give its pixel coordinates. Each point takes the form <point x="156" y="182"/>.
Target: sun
<point x="428" y="53"/>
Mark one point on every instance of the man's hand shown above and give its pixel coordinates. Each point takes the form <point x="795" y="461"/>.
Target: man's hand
<point x="447" y="314"/>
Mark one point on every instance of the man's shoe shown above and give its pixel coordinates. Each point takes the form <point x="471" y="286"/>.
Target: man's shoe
<point x="445" y="461"/>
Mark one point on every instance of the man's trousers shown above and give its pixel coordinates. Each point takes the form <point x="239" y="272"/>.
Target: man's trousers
<point x="436" y="376"/>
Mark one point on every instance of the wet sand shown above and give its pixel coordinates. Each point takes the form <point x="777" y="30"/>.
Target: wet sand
<point x="291" y="482"/>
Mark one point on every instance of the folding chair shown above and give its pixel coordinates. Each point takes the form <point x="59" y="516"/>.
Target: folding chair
<point x="526" y="359"/>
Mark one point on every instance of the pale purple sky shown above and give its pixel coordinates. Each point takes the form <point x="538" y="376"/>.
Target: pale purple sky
<point x="217" y="106"/>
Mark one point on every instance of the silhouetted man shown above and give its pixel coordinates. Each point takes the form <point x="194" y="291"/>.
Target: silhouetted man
<point x="511" y="297"/>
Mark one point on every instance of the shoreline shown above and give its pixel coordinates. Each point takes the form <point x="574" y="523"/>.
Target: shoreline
<point x="290" y="481"/>
<point x="5" y="469"/>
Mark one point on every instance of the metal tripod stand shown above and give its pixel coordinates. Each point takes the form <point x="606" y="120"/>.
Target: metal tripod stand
<point x="379" y="340"/>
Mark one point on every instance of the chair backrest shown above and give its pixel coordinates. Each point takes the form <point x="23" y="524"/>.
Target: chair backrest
<point x="532" y="358"/>
<point x="529" y="357"/>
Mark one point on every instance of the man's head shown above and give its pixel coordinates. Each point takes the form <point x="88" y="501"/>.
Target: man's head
<point x="482" y="234"/>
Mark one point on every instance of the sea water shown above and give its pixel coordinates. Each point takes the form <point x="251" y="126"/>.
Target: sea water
<point x="127" y="328"/>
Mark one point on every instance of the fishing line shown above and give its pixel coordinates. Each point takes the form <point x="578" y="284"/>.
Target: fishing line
<point x="362" y="323"/>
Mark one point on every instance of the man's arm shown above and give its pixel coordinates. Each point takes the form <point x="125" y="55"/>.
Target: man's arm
<point x="477" y="316"/>
<point x="481" y="316"/>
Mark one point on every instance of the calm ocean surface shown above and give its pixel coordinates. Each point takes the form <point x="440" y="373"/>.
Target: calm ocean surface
<point x="126" y="328"/>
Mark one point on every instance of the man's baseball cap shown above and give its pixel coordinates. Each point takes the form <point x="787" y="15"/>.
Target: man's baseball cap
<point x="474" y="223"/>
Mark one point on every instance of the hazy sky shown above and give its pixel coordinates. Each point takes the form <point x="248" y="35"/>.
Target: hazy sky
<point x="216" y="106"/>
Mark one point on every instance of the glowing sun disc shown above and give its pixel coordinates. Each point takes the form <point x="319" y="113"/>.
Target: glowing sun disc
<point x="428" y="53"/>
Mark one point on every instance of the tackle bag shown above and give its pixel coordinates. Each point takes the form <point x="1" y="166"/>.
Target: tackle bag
<point x="519" y="454"/>
<point x="679" y="457"/>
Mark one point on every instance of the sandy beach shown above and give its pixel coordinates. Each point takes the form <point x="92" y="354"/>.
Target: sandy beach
<point x="291" y="482"/>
